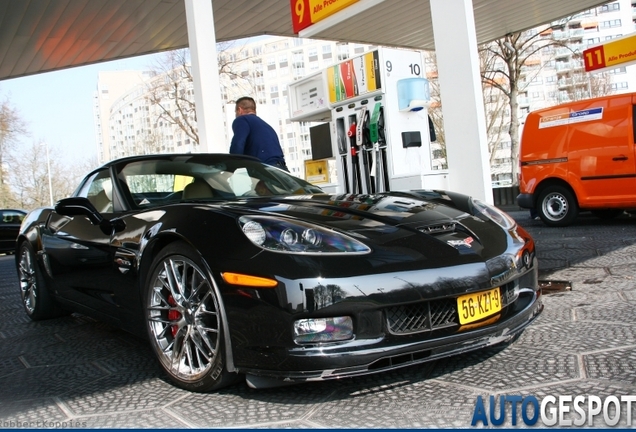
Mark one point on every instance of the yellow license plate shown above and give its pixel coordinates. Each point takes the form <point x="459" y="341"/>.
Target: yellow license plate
<point x="475" y="306"/>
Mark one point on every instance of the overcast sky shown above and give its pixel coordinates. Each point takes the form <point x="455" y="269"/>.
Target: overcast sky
<point x="57" y="107"/>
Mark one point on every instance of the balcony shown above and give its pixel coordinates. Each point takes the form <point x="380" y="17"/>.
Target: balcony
<point x="577" y="47"/>
<point x="565" y="66"/>
<point x="562" y="52"/>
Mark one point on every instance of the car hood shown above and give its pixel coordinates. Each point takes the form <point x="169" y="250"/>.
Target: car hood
<point x="415" y="222"/>
<point x="353" y="212"/>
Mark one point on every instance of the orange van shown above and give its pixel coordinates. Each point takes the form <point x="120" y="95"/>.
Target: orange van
<point x="579" y="156"/>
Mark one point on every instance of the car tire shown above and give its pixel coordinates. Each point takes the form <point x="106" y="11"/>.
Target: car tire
<point x="183" y="319"/>
<point x="36" y="298"/>
<point x="557" y="206"/>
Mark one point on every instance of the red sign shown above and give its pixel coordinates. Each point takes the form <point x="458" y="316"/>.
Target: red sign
<point x="300" y="14"/>
<point x="307" y="12"/>
<point x="594" y="58"/>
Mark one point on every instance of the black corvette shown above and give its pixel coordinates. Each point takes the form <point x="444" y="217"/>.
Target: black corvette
<point x="233" y="268"/>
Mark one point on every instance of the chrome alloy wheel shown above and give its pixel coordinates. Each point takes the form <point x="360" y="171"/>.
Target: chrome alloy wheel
<point x="28" y="280"/>
<point x="184" y="319"/>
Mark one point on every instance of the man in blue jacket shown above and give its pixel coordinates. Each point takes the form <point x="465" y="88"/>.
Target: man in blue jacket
<point x="254" y="137"/>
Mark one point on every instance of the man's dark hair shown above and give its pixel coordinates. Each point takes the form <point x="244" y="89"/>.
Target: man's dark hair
<point x="246" y="103"/>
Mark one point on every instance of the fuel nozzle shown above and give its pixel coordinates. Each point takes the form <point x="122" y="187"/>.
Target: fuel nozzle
<point x="351" y="133"/>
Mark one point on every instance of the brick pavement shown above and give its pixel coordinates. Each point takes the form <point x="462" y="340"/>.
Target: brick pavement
<point x="78" y="372"/>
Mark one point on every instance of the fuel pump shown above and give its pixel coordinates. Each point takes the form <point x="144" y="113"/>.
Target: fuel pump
<point x="378" y="108"/>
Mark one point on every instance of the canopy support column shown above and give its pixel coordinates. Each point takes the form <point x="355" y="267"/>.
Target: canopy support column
<point x="205" y="72"/>
<point x="462" y="98"/>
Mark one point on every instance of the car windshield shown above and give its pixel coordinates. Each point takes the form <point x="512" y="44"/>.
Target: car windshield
<point x="154" y="182"/>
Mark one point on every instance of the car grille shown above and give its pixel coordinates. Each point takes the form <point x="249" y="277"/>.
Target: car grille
<point x="432" y="315"/>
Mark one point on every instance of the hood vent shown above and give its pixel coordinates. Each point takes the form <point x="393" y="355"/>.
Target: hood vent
<point x="446" y="227"/>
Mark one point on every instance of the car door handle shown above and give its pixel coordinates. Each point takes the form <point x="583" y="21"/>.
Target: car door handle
<point x="619" y="158"/>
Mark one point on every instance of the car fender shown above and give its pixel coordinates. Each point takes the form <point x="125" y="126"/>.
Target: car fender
<point x="31" y="228"/>
<point x="157" y="237"/>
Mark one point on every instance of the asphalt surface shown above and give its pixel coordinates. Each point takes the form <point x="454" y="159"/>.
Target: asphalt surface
<point x="78" y="372"/>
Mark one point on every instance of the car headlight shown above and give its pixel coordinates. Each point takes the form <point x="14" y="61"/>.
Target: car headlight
<point x="494" y="214"/>
<point x="291" y="236"/>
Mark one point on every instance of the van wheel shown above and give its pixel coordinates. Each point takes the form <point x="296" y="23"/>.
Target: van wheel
<point x="557" y="206"/>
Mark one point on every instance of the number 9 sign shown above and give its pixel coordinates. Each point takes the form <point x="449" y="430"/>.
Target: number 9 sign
<point x="300" y="14"/>
<point x="307" y="12"/>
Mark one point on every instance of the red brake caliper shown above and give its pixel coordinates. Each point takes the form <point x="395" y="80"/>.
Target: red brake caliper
<point x="173" y="315"/>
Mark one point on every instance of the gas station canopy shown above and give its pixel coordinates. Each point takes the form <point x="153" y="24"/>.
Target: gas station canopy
<point x="45" y="35"/>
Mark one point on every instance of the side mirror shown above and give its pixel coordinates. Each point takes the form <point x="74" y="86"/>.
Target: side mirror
<point x="77" y="206"/>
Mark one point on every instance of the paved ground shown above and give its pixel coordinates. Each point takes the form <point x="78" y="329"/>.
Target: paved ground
<point x="76" y="372"/>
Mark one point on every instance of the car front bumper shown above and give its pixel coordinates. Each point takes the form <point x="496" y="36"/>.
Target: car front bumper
<point x="361" y="357"/>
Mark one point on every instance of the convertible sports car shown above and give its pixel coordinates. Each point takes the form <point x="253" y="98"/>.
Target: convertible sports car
<point x="236" y="269"/>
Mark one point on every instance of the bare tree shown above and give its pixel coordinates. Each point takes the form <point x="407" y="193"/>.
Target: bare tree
<point x="11" y="128"/>
<point x="435" y="109"/>
<point x="585" y="85"/>
<point x="171" y="90"/>
<point x="34" y="179"/>
<point x="503" y="62"/>
<point x="494" y="101"/>
<point x="148" y="143"/>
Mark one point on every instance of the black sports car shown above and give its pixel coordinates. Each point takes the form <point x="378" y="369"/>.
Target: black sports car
<point x="233" y="268"/>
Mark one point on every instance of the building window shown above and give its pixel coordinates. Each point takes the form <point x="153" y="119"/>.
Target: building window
<point x="622" y="85"/>
<point x="610" y="7"/>
<point x="620" y="70"/>
<point x="611" y="23"/>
